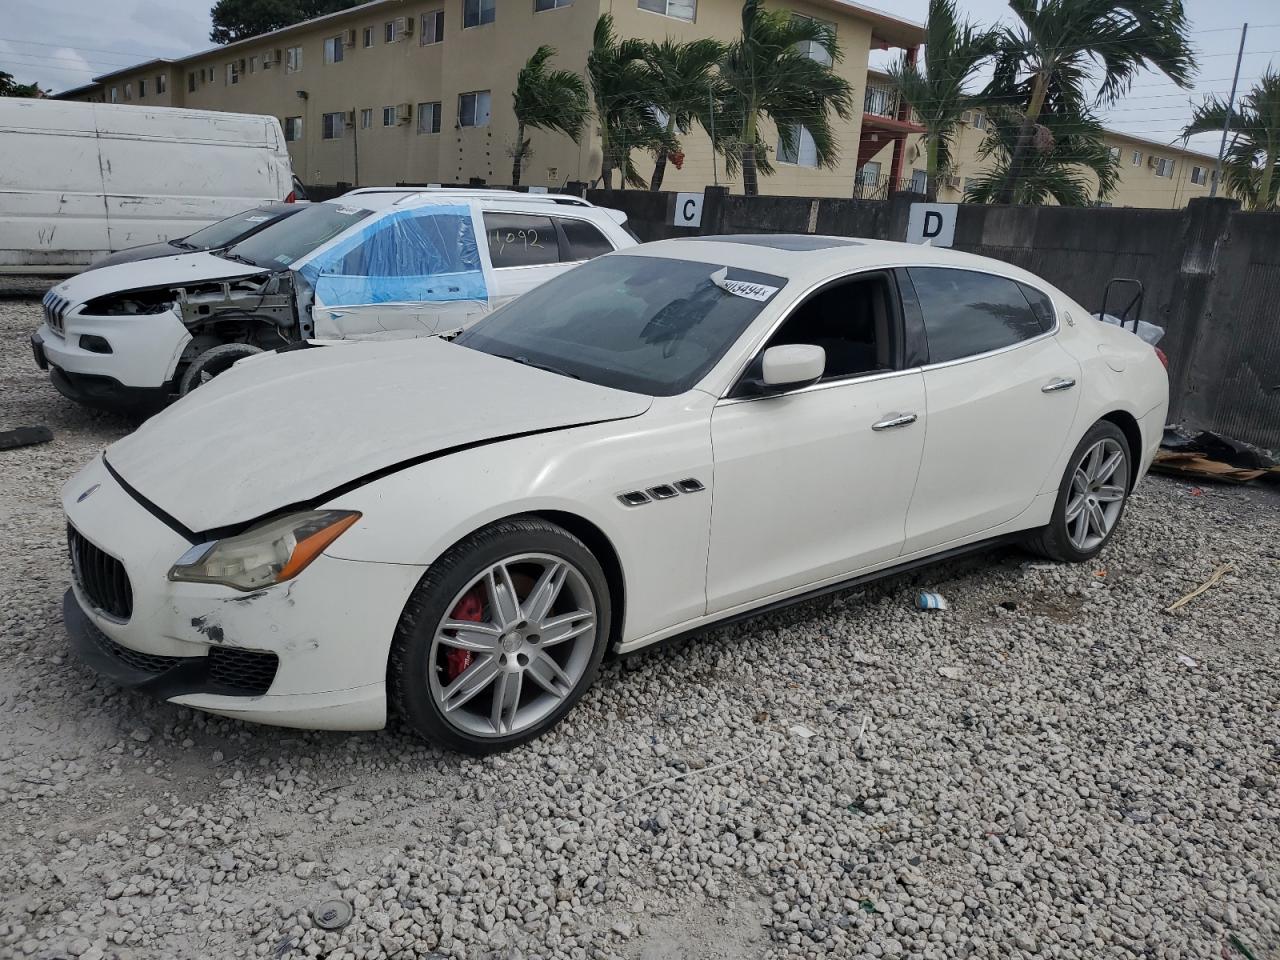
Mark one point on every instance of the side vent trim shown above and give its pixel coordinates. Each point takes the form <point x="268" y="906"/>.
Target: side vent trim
<point x="663" y="491"/>
<point x="690" y="485"/>
<point x="636" y="498"/>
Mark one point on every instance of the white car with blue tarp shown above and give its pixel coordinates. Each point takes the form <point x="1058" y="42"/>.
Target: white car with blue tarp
<point x="373" y="264"/>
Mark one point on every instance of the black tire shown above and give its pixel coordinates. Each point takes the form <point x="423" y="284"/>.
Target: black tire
<point x="212" y="362"/>
<point x="408" y="687"/>
<point x="1054" y="541"/>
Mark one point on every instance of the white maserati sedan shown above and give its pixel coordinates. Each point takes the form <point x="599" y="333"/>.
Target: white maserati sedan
<point x="657" y="441"/>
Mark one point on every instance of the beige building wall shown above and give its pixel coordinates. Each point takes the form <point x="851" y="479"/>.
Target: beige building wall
<point x="485" y="58"/>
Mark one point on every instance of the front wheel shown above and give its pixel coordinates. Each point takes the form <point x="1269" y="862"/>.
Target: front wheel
<point x="501" y="638"/>
<point x="1091" y="497"/>
<point x="212" y="362"/>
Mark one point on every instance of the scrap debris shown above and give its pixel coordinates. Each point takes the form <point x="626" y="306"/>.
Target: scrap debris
<point x="24" y="437"/>
<point x="1217" y="575"/>
<point x="1211" y="456"/>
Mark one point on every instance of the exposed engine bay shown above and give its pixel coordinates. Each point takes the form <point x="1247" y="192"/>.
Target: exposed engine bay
<point x="260" y="311"/>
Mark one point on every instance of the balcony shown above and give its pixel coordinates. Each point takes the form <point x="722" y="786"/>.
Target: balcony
<point x="881" y="101"/>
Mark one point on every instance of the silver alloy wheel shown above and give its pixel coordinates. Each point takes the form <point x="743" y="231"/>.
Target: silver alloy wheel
<point x="526" y="653"/>
<point x="1098" y="487"/>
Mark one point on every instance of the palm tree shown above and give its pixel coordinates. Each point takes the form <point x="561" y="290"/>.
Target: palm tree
<point x="622" y="98"/>
<point x="685" y="88"/>
<point x="1069" y="148"/>
<point x="545" y="100"/>
<point x="1251" y="165"/>
<point x="767" y="72"/>
<point x="953" y="52"/>
<point x="1058" y="42"/>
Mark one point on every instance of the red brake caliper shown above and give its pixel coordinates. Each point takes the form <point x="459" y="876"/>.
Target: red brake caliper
<point x="470" y="607"/>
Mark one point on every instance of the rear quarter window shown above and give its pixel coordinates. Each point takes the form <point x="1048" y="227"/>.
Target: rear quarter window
<point x="967" y="312"/>
<point x="583" y="240"/>
<point x="1041" y="306"/>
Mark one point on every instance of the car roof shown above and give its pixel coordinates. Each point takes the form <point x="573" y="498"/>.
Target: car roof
<point x="811" y="257"/>
<point x="455" y="193"/>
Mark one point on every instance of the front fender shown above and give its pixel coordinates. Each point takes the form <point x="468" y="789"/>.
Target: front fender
<point x="415" y="515"/>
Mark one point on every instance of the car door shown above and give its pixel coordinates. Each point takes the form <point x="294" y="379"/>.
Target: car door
<point x="524" y="251"/>
<point x="814" y="483"/>
<point x="414" y="273"/>
<point x="1002" y="395"/>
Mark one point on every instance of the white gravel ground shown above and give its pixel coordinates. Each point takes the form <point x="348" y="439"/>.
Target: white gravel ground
<point x="1033" y="772"/>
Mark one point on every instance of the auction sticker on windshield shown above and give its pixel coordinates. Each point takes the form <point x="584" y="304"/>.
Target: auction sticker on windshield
<point x="742" y="288"/>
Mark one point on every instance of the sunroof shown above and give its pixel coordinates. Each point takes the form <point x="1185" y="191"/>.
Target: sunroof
<point x="784" y="241"/>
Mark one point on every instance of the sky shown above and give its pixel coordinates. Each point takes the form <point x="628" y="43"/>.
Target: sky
<point x="64" y="43"/>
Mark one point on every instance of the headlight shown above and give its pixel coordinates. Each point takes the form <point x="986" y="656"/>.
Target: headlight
<point x="271" y="553"/>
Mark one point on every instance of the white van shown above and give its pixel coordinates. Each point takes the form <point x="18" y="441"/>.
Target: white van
<point x="80" y="180"/>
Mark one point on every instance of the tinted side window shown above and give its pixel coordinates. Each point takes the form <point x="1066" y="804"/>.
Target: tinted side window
<point x="966" y="312"/>
<point x="520" y="240"/>
<point x="585" y="241"/>
<point x="1041" y="306"/>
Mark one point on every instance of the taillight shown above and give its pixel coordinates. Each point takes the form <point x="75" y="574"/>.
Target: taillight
<point x="292" y="197"/>
<point x="1163" y="358"/>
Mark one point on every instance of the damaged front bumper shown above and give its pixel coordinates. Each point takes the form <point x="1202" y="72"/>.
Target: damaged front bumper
<point x="299" y="654"/>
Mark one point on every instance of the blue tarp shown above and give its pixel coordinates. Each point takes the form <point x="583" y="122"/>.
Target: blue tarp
<point x="427" y="254"/>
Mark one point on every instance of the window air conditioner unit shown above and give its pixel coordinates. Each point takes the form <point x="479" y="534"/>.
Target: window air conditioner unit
<point x="351" y="38"/>
<point x="349" y="117"/>
<point x="404" y="25"/>
<point x="951" y="181"/>
<point x="1152" y="162"/>
<point x="404" y="112"/>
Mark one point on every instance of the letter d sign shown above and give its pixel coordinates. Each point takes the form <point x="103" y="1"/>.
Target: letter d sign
<point x="932" y="223"/>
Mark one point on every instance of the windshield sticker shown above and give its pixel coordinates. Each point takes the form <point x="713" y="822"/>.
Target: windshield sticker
<point x="256" y="219"/>
<point x="348" y="211"/>
<point x="283" y="258"/>
<point x="742" y="288"/>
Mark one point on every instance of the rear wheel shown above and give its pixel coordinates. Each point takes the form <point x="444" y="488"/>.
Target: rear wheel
<point x="1091" y="497"/>
<point x="501" y="638"/>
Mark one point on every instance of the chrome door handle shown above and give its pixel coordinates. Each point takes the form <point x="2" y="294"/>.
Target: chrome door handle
<point x="898" y="420"/>
<point x="1062" y="383"/>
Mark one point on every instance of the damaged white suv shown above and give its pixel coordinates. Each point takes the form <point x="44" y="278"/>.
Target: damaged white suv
<point x="373" y="264"/>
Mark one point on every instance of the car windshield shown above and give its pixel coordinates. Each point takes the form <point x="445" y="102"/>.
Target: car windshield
<point x="286" y="240"/>
<point x="649" y="325"/>
<point x="233" y="228"/>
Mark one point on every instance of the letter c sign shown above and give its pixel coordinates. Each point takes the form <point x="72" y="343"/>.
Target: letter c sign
<point x="688" y="210"/>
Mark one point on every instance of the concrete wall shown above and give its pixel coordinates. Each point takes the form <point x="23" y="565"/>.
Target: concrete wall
<point x="1211" y="275"/>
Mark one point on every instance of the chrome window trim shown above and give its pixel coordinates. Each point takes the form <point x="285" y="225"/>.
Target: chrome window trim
<point x="803" y="295"/>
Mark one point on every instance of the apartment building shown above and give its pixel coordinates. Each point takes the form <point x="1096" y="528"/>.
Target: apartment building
<point x="1152" y="174"/>
<point x="420" y="91"/>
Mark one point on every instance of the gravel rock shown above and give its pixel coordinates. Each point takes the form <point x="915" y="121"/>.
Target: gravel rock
<point x="1078" y="794"/>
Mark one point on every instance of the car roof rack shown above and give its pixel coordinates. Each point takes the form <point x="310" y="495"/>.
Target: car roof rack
<point x="563" y="199"/>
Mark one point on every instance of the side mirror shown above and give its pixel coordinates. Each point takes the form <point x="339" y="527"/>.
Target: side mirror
<point x="792" y="365"/>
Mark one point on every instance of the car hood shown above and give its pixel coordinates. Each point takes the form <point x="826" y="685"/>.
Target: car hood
<point x="158" y="272"/>
<point x="146" y="251"/>
<point x="286" y="429"/>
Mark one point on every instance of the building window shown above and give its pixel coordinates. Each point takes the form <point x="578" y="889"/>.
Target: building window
<point x="233" y="73"/>
<point x="1136" y="159"/>
<point x="142" y="89"/>
<point x="1114" y="152"/>
<point x="292" y="128"/>
<point x="393" y="30"/>
<point x="1199" y="175"/>
<point x="869" y="175"/>
<point x="293" y="60"/>
<point x="191" y="82"/>
<point x="429" y="117"/>
<point x="680" y="9"/>
<point x="115" y="94"/>
<point x="432" y="27"/>
<point x="979" y="121"/>
<point x="540" y="5"/>
<point x="1164" y="167"/>
<point x="366" y="36"/>
<point x="128" y="90"/>
<point x="334" y="124"/>
<point x="814" y="51"/>
<point x="388" y="116"/>
<point x="478" y="12"/>
<point x="919" y="181"/>
<point x="366" y="118"/>
<point x="333" y="50"/>
<point x="473" y="109"/>
<point x="804" y="153"/>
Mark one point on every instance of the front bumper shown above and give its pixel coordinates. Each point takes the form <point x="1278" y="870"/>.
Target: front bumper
<point x="328" y="631"/>
<point x="145" y="348"/>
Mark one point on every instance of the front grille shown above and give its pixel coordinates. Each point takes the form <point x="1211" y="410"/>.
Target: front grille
<point x="55" y="311"/>
<point x="152" y="663"/>
<point x="100" y="576"/>
<point x="244" y="672"/>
